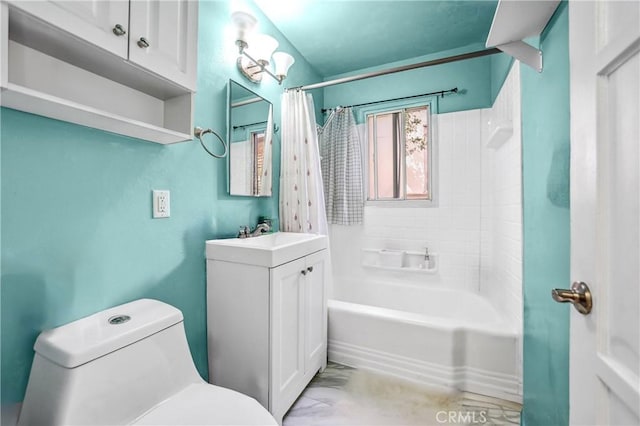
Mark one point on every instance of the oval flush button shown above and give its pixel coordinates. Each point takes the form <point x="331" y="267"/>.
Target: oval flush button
<point x="119" y="319"/>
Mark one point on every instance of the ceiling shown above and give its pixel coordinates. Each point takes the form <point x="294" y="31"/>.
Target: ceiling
<point x="339" y="36"/>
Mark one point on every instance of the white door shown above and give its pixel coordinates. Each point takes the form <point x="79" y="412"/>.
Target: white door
<point x="605" y="213"/>
<point x="287" y="335"/>
<point x="316" y="312"/>
<point x="103" y="23"/>
<point x="164" y="38"/>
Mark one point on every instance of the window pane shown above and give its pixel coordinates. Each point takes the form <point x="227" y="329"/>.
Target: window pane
<point x="386" y="145"/>
<point x="258" y="163"/>
<point x="372" y="178"/>
<point x="399" y="155"/>
<point x="417" y="152"/>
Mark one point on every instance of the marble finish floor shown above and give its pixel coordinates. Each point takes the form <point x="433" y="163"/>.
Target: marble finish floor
<point x="343" y="396"/>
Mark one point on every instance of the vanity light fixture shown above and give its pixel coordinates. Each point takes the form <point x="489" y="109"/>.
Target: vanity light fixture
<point x="256" y="51"/>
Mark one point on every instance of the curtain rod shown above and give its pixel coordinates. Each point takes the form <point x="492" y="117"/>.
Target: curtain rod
<point x="439" y="92"/>
<point x="471" y="55"/>
<point x="249" y="125"/>
<point x="247" y="102"/>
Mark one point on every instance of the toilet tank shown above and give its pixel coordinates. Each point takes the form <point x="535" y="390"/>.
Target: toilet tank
<point x="108" y="368"/>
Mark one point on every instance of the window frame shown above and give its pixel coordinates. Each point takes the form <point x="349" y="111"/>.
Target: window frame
<point x="254" y="135"/>
<point x="432" y="158"/>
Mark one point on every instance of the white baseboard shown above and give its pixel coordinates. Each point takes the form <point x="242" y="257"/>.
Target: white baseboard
<point x="437" y="376"/>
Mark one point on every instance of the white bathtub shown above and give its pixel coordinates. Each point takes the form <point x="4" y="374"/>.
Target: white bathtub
<point x="447" y="339"/>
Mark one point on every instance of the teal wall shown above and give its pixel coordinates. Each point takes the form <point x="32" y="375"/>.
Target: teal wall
<point x="78" y="235"/>
<point x="500" y="66"/>
<point x="474" y="78"/>
<point x="545" y="152"/>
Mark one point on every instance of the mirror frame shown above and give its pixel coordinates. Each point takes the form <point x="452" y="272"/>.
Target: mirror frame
<point x="229" y="138"/>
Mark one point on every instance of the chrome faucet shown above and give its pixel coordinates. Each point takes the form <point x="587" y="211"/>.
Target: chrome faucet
<point x="261" y="228"/>
<point x="244" y="232"/>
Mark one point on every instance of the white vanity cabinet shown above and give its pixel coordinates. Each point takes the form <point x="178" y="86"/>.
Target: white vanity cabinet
<point x="128" y="67"/>
<point x="267" y="327"/>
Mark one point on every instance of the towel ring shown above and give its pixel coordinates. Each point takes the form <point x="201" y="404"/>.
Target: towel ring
<point x="199" y="132"/>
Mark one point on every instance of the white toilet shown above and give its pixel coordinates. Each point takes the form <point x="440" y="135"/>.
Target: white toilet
<point x="128" y="365"/>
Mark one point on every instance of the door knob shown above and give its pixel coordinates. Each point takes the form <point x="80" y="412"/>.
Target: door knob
<point x="143" y="43"/>
<point x="579" y="295"/>
<point x="119" y="30"/>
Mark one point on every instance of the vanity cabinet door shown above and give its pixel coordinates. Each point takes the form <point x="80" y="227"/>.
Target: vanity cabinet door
<point x="163" y="38"/>
<point x="103" y="23"/>
<point x="298" y="328"/>
<point x="287" y="335"/>
<point x="316" y="313"/>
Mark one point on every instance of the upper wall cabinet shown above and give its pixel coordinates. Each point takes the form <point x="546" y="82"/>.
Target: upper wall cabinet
<point x="125" y="67"/>
<point x="101" y="23"/>
<point x="162" y="38"/>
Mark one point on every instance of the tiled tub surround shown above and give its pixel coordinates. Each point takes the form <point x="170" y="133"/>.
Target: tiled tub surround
<point x="501" y="217"/>
<point x="345" y="396"/>
<point x="451" y="228"/>
<point x="417" y="327"/>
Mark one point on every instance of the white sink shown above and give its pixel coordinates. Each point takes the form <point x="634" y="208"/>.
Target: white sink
<point x="266" y="250"/>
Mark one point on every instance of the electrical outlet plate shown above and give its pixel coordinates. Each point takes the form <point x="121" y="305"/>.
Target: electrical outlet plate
<point x="161" y="204"/>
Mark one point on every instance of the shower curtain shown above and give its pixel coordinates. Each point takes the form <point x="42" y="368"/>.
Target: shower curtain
<point x="341" y="155"/>
<point x="301" y="196"/>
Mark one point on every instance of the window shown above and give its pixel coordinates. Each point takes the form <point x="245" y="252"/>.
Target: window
<point x="257" y="149"/>
<point x="399" y="154"/>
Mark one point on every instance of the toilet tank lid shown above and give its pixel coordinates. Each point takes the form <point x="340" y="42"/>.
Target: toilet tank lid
<point x="104" y="332"/>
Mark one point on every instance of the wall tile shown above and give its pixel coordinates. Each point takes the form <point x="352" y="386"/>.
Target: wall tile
<point x="452" y="229"/>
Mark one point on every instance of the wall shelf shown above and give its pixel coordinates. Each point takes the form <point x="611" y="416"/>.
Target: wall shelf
<point x="403" y="269"/>
<point x="515" y="21"/>
<point x="25" y="99"/>
<point x="500" y="133"/>
<point x="412" y="261"/>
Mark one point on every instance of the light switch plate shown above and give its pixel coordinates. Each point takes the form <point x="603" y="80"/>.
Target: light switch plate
<point x="161" y="204"/>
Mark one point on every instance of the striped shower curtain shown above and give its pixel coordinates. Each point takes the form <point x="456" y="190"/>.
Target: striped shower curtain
<point x="341" y="161"/>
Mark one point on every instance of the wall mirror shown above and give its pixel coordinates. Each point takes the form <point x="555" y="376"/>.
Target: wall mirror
<point x="250" y="142"/>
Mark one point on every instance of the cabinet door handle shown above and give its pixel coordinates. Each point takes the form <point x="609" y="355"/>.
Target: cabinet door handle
<point x="310" y="269"/>
<point x="119" y="30"/>
<point x="143" y="43"/>
<point x="303" y="272"/>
